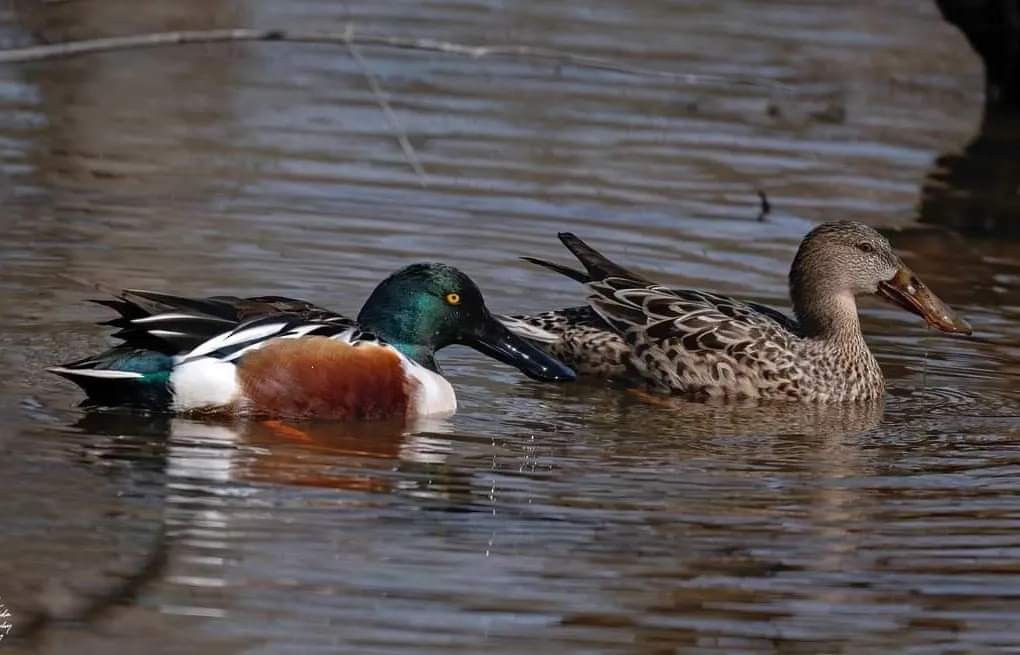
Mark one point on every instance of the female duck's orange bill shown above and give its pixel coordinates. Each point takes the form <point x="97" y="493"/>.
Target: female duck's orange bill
<point x="907" y="291"/>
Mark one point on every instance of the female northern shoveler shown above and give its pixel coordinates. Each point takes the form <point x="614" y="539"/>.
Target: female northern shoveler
<point x="273" y="356"/>
<point x="707" y="345"/>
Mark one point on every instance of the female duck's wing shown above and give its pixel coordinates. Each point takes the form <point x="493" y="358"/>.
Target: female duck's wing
<point x="696" y="342"/>
<point x="625" y="299"/>
<point x="628" y="311"/>
<point x="550" y="327"/>
<point x="697" y="319"/>
<point x="577" y="336"/>
<point x="174" y="324"/>
<point x="680" y="339"/>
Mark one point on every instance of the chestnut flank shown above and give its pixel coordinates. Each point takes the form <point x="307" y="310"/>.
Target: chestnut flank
<point x="318" y="377"/>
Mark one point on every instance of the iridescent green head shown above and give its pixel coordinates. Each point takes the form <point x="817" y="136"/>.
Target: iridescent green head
<point x="425" y="307"/>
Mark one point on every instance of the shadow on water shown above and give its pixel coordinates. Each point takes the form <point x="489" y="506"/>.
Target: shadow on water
<point x="978" y="189"/>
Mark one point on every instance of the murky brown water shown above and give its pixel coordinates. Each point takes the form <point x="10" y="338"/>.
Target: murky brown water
<point x="545" y="519"/>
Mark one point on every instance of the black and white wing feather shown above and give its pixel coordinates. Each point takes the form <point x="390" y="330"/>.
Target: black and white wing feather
<point x="250" y="335"/>
<point x="176" y="324"/>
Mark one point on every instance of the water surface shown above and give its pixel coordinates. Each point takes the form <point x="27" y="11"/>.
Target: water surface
<point x="549" y="519"/>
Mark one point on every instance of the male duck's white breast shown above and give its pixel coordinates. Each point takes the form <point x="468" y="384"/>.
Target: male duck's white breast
<point x="433" y="395"/>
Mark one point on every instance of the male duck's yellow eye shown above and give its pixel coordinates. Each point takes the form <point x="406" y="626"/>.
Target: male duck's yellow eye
<point x="453" y="298"/>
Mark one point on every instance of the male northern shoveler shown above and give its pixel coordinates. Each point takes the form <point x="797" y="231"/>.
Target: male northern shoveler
<point x="707" y="345"/>
<point x="273" y="356"/>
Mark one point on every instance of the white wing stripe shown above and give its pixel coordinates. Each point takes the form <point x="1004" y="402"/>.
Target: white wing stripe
<point x="237" y="336"/>
<point x="166" y="333"/>
<point x="96" y="373"/>
<point x="172" y="316"/>
<point x="348" y="336"/>
<point x="296" y="333"/>
<point x="237" y="354"/>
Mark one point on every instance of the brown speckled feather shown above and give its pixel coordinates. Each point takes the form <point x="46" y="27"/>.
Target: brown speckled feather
<point x="713" y="346"/>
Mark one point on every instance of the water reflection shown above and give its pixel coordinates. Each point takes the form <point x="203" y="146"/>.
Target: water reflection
<point x="659" y="415"/>
<point x="222" y="479"/>
<point x="636" y="499"/>
<point x="198" y="452"/>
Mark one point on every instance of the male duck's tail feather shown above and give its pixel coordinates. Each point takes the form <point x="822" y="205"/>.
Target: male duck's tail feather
<point x="121" y="376"/>
<point x="76" y="374"/>
<point x="169" y="324"/>
<point x="173" y="332"/>
<point x="154" y="302"/>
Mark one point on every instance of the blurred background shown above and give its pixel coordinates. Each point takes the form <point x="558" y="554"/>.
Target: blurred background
<point x="559" y="519"/>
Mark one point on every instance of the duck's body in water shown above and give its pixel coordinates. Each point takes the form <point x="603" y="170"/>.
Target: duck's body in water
<point x="713" y="346"/>
<point x="278" y="357"/>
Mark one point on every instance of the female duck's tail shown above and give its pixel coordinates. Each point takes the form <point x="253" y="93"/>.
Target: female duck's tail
<point x="597" y="266"/>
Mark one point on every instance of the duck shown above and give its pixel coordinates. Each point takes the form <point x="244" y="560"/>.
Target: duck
<point x="278" y="357"/>
<point x="711" y="346"/>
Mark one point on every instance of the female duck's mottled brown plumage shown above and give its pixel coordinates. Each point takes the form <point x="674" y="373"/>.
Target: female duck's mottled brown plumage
<point x="707" y="345"/>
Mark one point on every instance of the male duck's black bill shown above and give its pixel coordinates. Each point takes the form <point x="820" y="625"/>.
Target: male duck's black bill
<point x="907" y="291"/>
<point x="494" y="340"/>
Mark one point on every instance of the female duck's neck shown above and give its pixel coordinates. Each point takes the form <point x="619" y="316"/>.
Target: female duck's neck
<point x="832" y="317"/>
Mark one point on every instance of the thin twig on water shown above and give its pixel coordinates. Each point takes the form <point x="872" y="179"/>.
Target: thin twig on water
<point x="550" y="55"/>
<point x="387" y="110"/>
<point x="347" y="38"/>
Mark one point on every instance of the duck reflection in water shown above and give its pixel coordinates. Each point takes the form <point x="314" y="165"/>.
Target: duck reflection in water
<point x="355" y="456"/>
<point x="656" y="424"/>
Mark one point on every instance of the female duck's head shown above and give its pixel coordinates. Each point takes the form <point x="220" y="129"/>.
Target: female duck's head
<point x="837" y="261"/>
<point x="425" y="307"/>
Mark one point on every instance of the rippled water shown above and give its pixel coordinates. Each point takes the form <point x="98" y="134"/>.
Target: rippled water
<point x="549" y="519"/>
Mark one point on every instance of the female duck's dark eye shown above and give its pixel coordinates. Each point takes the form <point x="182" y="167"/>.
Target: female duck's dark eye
<point x="865" y="247"/>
